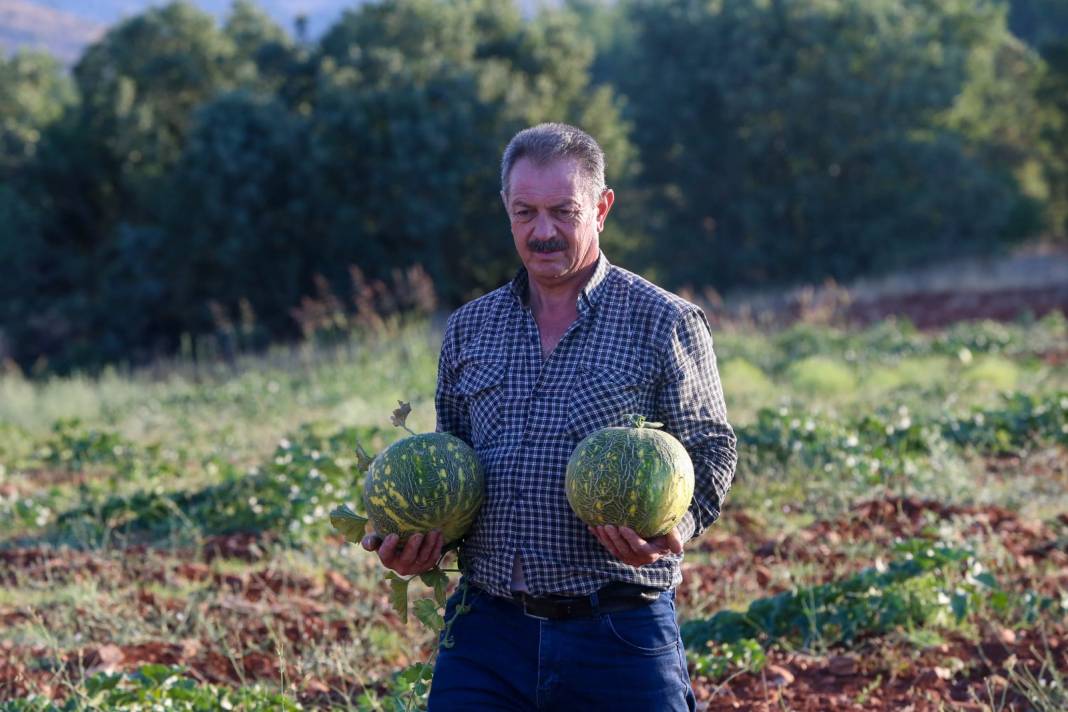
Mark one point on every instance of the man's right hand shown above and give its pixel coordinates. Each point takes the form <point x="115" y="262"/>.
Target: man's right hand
<point x="419" y="554"/>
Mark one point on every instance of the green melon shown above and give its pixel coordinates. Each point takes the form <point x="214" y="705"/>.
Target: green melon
<point x="634" y="476"/>
<point x="424" y="482"/>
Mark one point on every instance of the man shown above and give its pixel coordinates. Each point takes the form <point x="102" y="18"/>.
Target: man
<point x="564" y="616"/>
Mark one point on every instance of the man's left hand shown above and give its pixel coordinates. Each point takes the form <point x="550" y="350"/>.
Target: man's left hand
<point x="631" y="549"/>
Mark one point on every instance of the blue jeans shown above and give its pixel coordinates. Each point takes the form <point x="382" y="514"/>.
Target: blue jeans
<point x="503" y="659"/>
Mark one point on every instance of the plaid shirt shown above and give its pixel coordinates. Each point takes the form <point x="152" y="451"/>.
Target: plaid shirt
<point x="634" y="348"/>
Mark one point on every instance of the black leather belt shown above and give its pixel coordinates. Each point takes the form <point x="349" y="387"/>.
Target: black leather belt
<point x="613" y="598"/>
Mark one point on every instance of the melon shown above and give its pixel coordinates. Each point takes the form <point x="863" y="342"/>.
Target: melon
<point x="634" y="476"/>
<point x="424" y="482"/>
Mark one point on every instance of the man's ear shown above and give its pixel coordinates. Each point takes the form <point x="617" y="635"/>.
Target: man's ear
<point x="604" y="205"/>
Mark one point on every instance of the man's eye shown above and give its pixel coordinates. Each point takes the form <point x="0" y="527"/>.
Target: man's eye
<point x="522" y="213"/>
<point x="567" y="214"/>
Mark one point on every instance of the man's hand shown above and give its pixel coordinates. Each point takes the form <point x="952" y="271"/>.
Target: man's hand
<point x="420" y="553"/>
<point x="631" y="549"/>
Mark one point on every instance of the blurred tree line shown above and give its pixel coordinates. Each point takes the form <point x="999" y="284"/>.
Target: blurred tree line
<point x="185" y="174"/>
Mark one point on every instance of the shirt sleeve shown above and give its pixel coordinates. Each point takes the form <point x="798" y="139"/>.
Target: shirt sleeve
<point x="451" y="407"/>
<point x="690" y="404"/>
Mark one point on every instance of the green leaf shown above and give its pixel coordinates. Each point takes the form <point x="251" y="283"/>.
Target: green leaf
<point x="101" y="683"/>
<point x="350" y="524"/>
<point x="959" y="603"/>
<point x="398" y="595"/>
<point x="438" y="580"/>
<point x="426" y="610"/>
<point x="410" y="674"/>
<point x="999" y="601"/>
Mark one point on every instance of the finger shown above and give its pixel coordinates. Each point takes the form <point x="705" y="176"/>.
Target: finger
<point x="371" y="542"/>
<point x="388" y="550"/>
<point x="436" y="540"/>
<point x="674" y="541"/>
<point x="636" y="543"/>
<point x="426" y="551"/>
<point x="620" y="543"/>
<point x="439" y="544"/>
<point x="607" y="543"/>
<point x="411" y="550"/>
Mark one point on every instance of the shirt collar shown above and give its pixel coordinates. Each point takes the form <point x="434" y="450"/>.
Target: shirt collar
<point x="589" y="295"/>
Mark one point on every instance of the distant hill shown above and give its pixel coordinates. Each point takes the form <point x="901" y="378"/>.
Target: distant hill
<point x="33" y="25"/>
<point x="65" y="27"/>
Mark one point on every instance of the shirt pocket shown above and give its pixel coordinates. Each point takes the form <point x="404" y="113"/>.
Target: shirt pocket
<point x="602" y="397"/>
<point x="481" y="384"/>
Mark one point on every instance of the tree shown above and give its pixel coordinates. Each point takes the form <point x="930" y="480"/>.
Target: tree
<point x="238" y="223"/>
<point x="1052" y="95"/>
<point x="268" y="60"/>
<point x="33" y="94"/>
<point x="1039" y="22"/>
<point x="140" y="85"/>
<point x="417" y="100"/>
<point x="789" y="141"/>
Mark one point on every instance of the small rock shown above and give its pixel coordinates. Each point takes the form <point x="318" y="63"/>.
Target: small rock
<point x="190" y="648"/>
<point x="110" y="656"/>
<point x="778" y="676"/>
<point x="763" y="575"/>
<point x="842" y="665"/>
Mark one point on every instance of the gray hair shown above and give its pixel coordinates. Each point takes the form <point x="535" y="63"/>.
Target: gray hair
<point x="546" y="143"/>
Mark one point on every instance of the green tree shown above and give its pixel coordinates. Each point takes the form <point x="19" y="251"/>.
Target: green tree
<point x="238" y="223"/>
<point x="140" y="85"/>
<point x="268" y="60"/>
<point x="416" y="100"/>
<point x="1039" y="22"/>
<point x="786" y="141"/>
<point x="1052" y="95"/>
<point x="34" y="93"/>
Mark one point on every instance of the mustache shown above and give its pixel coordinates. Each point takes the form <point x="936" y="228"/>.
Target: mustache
<point x="553" y="244"/>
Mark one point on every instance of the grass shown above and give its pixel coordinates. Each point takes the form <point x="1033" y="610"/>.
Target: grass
<point x="144" y="474"/>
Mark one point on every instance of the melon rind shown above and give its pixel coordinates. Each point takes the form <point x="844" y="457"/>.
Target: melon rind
<point x="424" y="482"/>
<point x="635" y="477"/>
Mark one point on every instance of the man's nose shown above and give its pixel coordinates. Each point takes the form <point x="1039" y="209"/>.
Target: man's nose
<point x="543" y="226"/>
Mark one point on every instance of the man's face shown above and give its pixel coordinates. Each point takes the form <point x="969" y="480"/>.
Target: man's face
<point x="555" y="221"/>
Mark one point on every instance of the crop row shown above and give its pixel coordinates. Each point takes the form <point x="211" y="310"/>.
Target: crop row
<point x="310" y="472"/>
<point x="894" y="339"/>
<point x="928" y="585"/>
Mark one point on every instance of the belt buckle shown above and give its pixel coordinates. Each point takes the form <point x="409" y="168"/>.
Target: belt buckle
<point x="527" y="613"/>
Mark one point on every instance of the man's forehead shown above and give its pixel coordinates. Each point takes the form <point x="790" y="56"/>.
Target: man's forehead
<point x="560" y="180"/>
